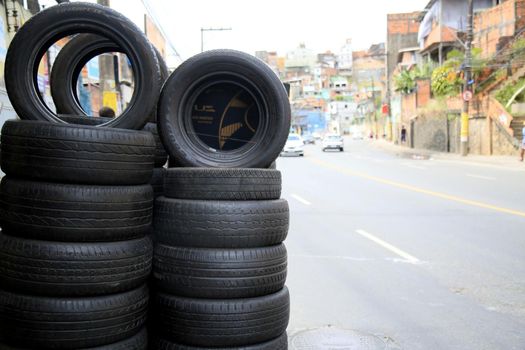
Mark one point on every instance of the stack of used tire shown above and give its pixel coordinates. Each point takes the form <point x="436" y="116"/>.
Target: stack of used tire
<point x="219" y="261"/>
<point x="219" y="266"/>
<point x="76" y="204"/>
<point x="75" y="208"/>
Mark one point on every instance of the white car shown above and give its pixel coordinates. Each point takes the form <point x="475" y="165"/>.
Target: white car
<point x="294" y="146"/>
<point x="333" y="141"/>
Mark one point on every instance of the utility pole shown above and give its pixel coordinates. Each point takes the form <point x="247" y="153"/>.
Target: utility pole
<point x="106" y="71"/>
<point x="468" y="79"/>
<point x="210" y="30"/>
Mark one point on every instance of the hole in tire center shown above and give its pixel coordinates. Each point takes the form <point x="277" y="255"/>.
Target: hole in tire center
<point x="104" y="85"/>
<point x="225" y="116"/>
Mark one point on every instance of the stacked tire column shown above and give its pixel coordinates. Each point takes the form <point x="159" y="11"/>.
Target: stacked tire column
<point x="219" y="262"/>
<point x="75" y="208"/>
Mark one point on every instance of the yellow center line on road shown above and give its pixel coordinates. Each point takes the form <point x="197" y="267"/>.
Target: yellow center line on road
<point x="457" y="199"/>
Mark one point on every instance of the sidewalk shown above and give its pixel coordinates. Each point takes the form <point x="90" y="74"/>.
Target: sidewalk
<point x="510" y="162"/>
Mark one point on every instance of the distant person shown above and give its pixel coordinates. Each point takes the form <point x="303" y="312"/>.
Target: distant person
<point x="403" y="134"/>
<point x="107" y="112"/>
<point x="523" y="142"/>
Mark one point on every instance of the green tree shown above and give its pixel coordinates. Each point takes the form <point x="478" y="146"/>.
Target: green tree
<point x="405" y="82"/>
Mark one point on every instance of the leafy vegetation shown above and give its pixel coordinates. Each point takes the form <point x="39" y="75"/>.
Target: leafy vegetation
<point x="504" y="94"/>
<point x="446" y="81"/>
<point x="405" y="81"/>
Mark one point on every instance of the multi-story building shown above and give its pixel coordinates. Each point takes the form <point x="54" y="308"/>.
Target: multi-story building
<point x="402" y="34"/>
<point x="272" y="59"/>
<point x="369" y="72"/>
<point x="344" y="59"/>
<point x="443" y="24"/>
<point x="300" y="59"/>
<point x="342" y="115"/>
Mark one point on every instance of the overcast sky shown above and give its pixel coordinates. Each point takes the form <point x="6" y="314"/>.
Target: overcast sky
<point x="272" y="25"/>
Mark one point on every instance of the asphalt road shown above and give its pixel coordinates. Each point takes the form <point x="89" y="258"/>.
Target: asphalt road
<point x="420" y="253"/>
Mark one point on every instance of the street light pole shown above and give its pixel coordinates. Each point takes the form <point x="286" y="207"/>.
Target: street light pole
<point x="210" y="30"/>
<point x="468" y="79"/>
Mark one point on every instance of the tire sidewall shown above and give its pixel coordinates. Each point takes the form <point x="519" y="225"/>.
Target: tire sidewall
<point x="175" y="97"/>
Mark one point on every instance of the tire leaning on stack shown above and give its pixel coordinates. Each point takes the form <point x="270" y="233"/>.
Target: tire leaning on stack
<point x="75" y="209"/>
<point x="219" y="262"/>
<point x="66" y="69"/>
<point x="36" y="36"/>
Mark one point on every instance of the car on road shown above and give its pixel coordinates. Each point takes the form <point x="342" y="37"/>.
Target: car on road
<point x="294" y="145"/>
<point x="309" y="139"/>
<point x="333" y="141"/>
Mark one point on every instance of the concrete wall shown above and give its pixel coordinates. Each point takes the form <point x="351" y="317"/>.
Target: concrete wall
<point x="431" y="132"/>
<point x="501" y="144"/>
<point x="454" y="125"/>
<point x="479" y="136"/>
<point x="440" y="132"/>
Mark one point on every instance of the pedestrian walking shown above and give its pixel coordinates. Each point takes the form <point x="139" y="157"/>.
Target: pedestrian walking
<point x="523" y="142"/>
<point x="403" y="134"/>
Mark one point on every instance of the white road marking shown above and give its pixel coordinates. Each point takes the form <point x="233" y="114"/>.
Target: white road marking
<point x="301" y="199"/>
<point x="331" y="257"/>
<point x="409" y="258"/>
<point x="481" y="177"/>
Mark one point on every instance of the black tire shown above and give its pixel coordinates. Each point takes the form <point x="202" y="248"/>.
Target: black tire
<point x="220" y="224"/>
<point x="74" y="213"/>
<point x="42" y="30"/>
<point x="222" y="322"/>
<point x="83" y="120"/>
<point x="273" y="165"/>
<point x="160" y="153"/>
<point x="219" y="273"/>
<point x="157" y="181"/>
<point x="71" y="323"/>
<point x="280" y="343"/>
<point x="164" y="74"/>
<point x="76" y="153"/>
<point x="136" y="342"/>
<point x="69" y="63"/>
<point x="73" y="269"/>
<point x="161" y="157"/>
<point x="193" y="78"/>
<point x="172" y="163"/>
<point x="222" y="183"/>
